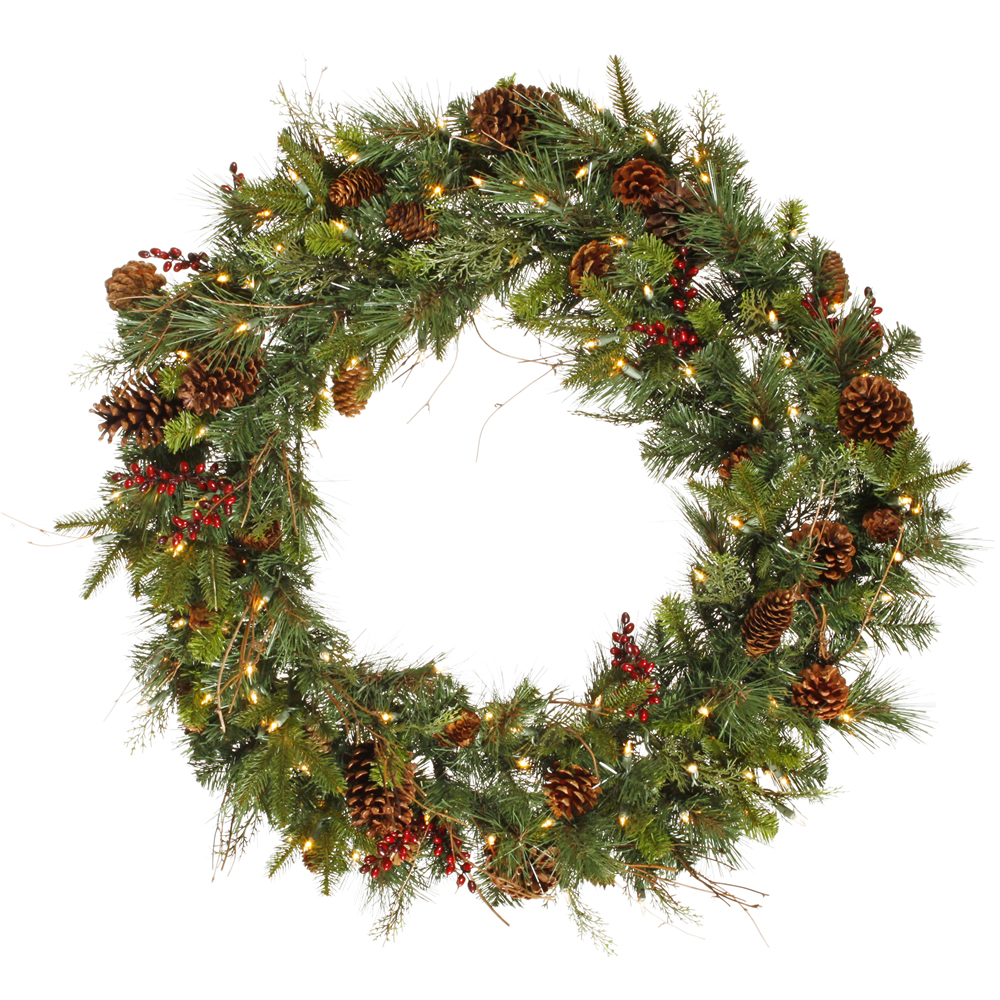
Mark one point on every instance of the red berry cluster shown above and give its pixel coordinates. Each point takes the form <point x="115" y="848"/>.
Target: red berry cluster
<point x="174" y="258"/>
<point x="626" y="654"/>
<point x="396" y="848"/>
<point x="681" y="336"/>
<point x="809" y="303"/>
<point x="167" y="482"/>
<point x="238" y="178"/>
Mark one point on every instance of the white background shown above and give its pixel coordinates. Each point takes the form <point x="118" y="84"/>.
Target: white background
<point x="879" y="115"/>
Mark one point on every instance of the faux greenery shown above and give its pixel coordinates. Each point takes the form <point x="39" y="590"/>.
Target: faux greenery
<point x="274" y="700"/>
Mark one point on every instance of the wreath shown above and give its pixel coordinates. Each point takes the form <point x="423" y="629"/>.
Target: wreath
<point x="634" y="242"/>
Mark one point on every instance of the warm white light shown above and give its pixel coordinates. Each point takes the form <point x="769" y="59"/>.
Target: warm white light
<point x="772" y="317"/>
<point x="541" y="199"/>
<point x="547" y="823"/>
<point x="206" y="699"/>
<point x="685" y="817"/>
<point x="627" y="749"/>
<point x="756" y="423"/>
<point x="274" y="725"/>
<point x="489" y="715"/>
<point x="325" y="656"/>
<point x="222" y="278"/>
<point x="264" y="213"/>
<point x="352" y="157"/>
<point x="253" y="697"/>
<point x="786" y="359"/>
<point x="437" y="191"/>
<point x="623" y="819"/>
<point x="650" y="137"/>
<point x="582" y="172"/>
<point x="793" y="412"/>
<point x="178" y="623"/>
<point x="897" y="557"/>
<point x="524" y="763"/>
<point x="647" y="291"/>
<point x="491" y="839"/>
<point x="692" y="768"/>
<point x="699" y="576"/>
<point x="478" y="181"/>
<point x="736" y="522"/>
<point x="748" y="775"/>
<point x="279" y="247"/>
<point x="307" y="845"/>
<point x="703" y="710"/>
<point x="689" y="371"/>
<point x="704" y="178"/>
<point x="243" y="327"/>
<point x="386" y="717"/>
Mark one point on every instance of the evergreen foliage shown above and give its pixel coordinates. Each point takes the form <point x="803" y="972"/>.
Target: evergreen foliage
<point x="273" y="699"/>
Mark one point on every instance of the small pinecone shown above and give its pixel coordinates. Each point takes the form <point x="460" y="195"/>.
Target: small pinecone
<point x="881" y="525"/>
<point x="529" y="881"/>
<point x="462" y="732"/>
<point x="269" y="541"/>
<point x="821" y="690"/>
<point x="571" y="791"/>
<point x="832" y="547"/>
<point x="354" y="186"/>
<point x="136" y="278"/>
<point x="312" y="861"/>
<point x="593" y="259"/>
<point x="731" y="460"/>
<point x="500" y="114"/>
<point x="410" y="220"/>
<point x="636" y="182"/>
<point x="220" y="389"/>
<point x="199" y="617"/>
<point x="873" y="409"/>
<point x="137" y="410"/>
<point x="669" y="203"/>
<point x="345" y="390"/>
<point x="767" y="621"/>
<point x="379" y="810"/>
<point x="832" y="278"/>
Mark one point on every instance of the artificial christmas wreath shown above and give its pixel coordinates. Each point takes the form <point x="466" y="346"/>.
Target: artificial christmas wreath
<point x="635" y="240"/>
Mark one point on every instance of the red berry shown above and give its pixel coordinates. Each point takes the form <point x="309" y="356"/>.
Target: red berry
<point x="233" y="168"/>
<point x="196" y="514"/>
<point x="654" y="699"/>
<point x="877" y="311"/>
<point x="212" y="485"/>
<point x="129" y="484"/>
<point x="693" y="340"/>
<point x="375" y="872"/>
<point x="161" y="488"/>
<point x="643" y="715"/>
<point x="140" y="479"/>
<point x="386" y="864"/>
<point x="460" y="880"/>
<point x="171" y="490"/>
<point x="200" y="468"/>
<point x="193" y="534"/>
<point x="674" y="281"/>
<point x="630" y="711"/>
<point x="680" y="305"/>
<point x="134" y="467"/>
<point x="179" y="522"/>
<point x="678" y="262"/>
<point x="691" y="293"/>
<point x="167" y="266"/>
<point x="629" y="626"/>
<point x="625" y="618"/>
<point x="240" y="179"/>
<point x="178" y="538"/>
<point x="692" y="271"/>
<point x="658" y="327"/>
<point x="472" y="886"/>
<point x="467" y="867"/>
<point x="155" y="251"/>
<point x="639" y="326"/>
<point x="162" y="539"/>
<point x="228" y="487"/>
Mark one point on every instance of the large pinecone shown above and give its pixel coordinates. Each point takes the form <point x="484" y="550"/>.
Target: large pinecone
<point x="821" y="690"/>
<point x="345" y="390"/>
<point x="873" y="409"/>
<point x="636" y="182"/>
<point x="881" y="525"/>
<point x="832" y="279"/>
<point x="136" y="278"/>
<point x="732" y="460"/>
<point x="500" y="114"/>
<point x="267" y="542"/>
<point x="767" y="621"/>
<point x="379" y="810"/>
<point x="137" y="410"/>
<point x="221" y="388"/>
<point x="199" y="617"/>
<point x="354" y="186"/>
<point x="461" y="732"/>
<point x="832" y="546"/>
<point x="411" y="221"/>
<point x="668" y="204"/>
<point x="531" y="879"/>
<point x="593" y="259"/>
<point x="571" y="791"/>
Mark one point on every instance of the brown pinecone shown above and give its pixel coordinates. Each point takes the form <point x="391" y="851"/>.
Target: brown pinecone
<point x="137" y="410"/>
<point x="881" y="525"/>
<point x="410" y="220"/>
<point x="136" y="278"/>
<point x="345" y="390"/>
<point x="461" y="732"/>
<point x="832" y="280"/>
<point x="532" y="879"/>
<point x="669" y="203"/>
<point x="767" y="621"/>
<point x="873" y="409"/>
<point x="380" y="810"/>
<point x="593" y="259"/>
<point x="312" y="860"/>
<point x="832" y="546"/>
<point x="821" y="690"/>
<point x="636" y="182"/>
<point x="354" y="186"/>
<point x="500" y="114"/>
<point x="571" y="791"/>
<point x="269" y="541"/>
<point x="222" y="388"/>
<point x="199" y="617"/>
<point x="733" y="459"/>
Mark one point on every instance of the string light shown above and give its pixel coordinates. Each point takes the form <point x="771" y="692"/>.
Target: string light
<point x="279" y="247"/>
<point x="847" y="717"/>
<point x="793" y="412"/>
<point x="916" y="509"/>
<point x="885" y="597"/>
<point x="478" y="181"/>
<point x="647" y="291"/>
<point x="491" y="839"/>
<point x="489" y="715"/>
<point x="650" y="138"/>
<point x="597" y="701"/>
<point x="547" y="824"/>
<point x="583" y="171"/>
<point x="619" y="241"/>
<point x="292" y="175"/>
<point x="259" y="603"/>
<point x="772" y="318"/>
<point x="699" y="576"/>
<point x="692" y="769"/>
<point x="541" y="199"/>
<point x="249" y="283"/>
<point x="325" y="656"/>
<point x="897" y="557"/>
<point x="253" y="697"/>
<point x="689" y="371"/>
<point x="787" y="359"/>
<point x="274" y="725"/>
<point x="748" y="775"/>
<point x="685" y="817"/>
<point x="756" y="423"/>
<point x="242" y="328"/>
<point x="352" y="157"/>
<point x="386" y="717"/>
<point x="305" y="770"/>
<point x="437" y="191"/>
<point x="307" y="845"/>
<point x="116" y="495"/>
<point x="704" y="178"/>
<point x="250" y="668"/>
<point x="183" y="355"/>
<point x="703" y="710"/>
<point x="591" y="345"/>
<point x="627" y="749"/>
<point x="222" y="278"/>
<point x="264" y="213"/>
<point x="178" y="623"/>
<point x="736" y="523"/>
<point x="207" y="699"/>
<point x="623" y="819"/>
<point x="353" y="363"/>
<point x="524" y="763"/>
<point x="355" y="855"/>
<point x="906" y="501"/>
<point x="340" y="225"/>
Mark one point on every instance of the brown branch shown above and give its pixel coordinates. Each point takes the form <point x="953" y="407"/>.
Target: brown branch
<point x="288" y="480"/>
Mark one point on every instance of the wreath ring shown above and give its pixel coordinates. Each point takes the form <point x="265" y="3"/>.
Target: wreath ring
<point x="634" y="240"/>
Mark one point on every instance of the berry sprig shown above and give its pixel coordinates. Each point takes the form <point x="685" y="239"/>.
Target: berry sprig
<point x="174" y="258"/>
<point x="205" y="513"/>
<point x="625" y="653"/>
<point x="238" y="178"/>
<point x="680" y="336"/>
<point x="400" y="848"/>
